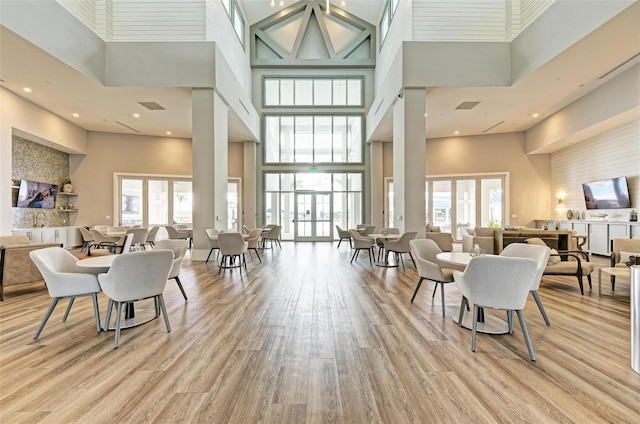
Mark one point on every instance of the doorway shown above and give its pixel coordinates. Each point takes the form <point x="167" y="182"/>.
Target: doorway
<point x="313" y="216"/>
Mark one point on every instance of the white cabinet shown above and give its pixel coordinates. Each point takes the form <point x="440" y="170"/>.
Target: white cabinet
<point x="599" y="238"/>
<point x="67" y="236"/>
<point x="635" y="231"/>
<point x="580" y="228"/>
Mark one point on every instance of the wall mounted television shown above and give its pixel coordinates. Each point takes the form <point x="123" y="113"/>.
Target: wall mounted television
<point x="612" y="193"/>
<point x="35" y="194"/>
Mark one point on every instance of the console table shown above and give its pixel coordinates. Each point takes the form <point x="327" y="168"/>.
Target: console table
<point x="556" y="239"/>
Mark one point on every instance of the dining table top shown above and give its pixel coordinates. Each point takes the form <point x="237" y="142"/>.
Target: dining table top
<point x="455" y="258"/>
<point x="383" y="236"/>
<point x="103" y="261"/>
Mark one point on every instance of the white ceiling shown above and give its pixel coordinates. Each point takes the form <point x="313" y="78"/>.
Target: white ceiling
<point x="569" y="76"/>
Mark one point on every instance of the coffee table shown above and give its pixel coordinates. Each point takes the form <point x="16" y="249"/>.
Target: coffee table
<point x="612" y="271"/>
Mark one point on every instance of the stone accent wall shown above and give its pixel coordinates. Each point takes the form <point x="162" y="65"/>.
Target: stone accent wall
<point x="36" y="162"/>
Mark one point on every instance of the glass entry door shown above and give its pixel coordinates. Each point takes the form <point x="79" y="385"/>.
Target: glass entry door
<point x="313" y="216"/>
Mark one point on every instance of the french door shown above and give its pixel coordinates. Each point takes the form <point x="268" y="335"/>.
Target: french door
<point x="313" y="216"/>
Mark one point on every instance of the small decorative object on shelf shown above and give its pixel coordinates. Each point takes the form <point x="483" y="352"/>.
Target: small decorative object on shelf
<point x="67" y="187"/>
<point x="633" y="216"/>
<point x="577" y="214"/>
<point x="569" y="214"/>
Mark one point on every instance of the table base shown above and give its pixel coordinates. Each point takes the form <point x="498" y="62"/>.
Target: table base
<point x="491" y="324"/>
<point x="131" y="317"/>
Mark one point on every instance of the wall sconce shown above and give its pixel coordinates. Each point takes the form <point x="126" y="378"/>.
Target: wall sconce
<point x="561" y="196"/>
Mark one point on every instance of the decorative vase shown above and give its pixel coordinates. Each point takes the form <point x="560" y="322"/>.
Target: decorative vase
<point x="67" y="188"/>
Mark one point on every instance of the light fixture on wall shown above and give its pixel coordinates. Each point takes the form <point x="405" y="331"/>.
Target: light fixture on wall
<point x="561" y="196"/>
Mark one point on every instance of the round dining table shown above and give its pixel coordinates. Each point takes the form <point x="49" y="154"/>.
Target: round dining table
<point x="487" y="323"/>
<point x="132" y="317"/>
<point x="378" y="236"/>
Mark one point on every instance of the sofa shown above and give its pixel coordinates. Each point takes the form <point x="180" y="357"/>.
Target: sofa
<point x="16" y="266"/>
<point x="443" y="240"/>
<point x="483" y="237"/>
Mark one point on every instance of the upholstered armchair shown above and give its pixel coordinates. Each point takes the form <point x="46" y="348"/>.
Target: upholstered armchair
<point x="443" y="240"/>
<point x="483" y="237"/>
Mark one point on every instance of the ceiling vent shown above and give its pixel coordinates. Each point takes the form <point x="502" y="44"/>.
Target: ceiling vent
<point x="151" y="105"/>
<point x="467" y="105"/>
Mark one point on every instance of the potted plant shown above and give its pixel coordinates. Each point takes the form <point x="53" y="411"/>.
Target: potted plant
<point x="67" y="187"/>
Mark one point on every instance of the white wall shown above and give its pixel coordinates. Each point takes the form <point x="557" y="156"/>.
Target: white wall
<point x="615" y="153"/>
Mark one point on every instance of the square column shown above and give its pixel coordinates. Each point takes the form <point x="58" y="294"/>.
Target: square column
<point x="377" y="184"/>
<point x="409" y="150"/>
<point x="210" y="166"/>
<point x="249" y="215"/>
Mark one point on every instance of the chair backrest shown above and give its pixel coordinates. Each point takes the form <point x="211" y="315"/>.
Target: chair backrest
<point x="133" y="227"/>
<point x="231" y="243"/>
<point x="498" y="282"/>
<point x="625" y="245"/>
<point x="86" y="234"/>
<point x="101" y="227"/>
<point x="174" y="233"/>
<point x="401" y="245"/>
<point x="360" y="241"/>
<point x="153" y="233"/>
<point x="370" y="229"/>
<point x="360" y="226"/>
<point x="540" y="254"/>
<point x="212" y="235"/>
<point x="139" y="235"/>
<point x="342" y="233"/>
<point x="55" y="263"/>
<point x="273" y="233"/>
<point x="179" y="248"/>
<point x="138" y="275"/>
<point x="117" y="229"/>
<point x="391" y="230"/>
<point x="99" y="237"/>
<point x="125" y="243"/>
<point x="424" y="252"/>
<point x="253" y="239"/>
<point x="245" y="229"/>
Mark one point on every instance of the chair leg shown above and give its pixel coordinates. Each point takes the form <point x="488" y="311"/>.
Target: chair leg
<point x="589" y="280"/>
<point x="96" y="310"/>
<point x="370" y="255"/>
<point x="474" y="326"/>
<point x="413" y="260"/>
<point x="580" y="283"/>
<point x="118" y="317"/>
<point x="510" y="321"/>
<point x="442" y="295"/>
<point x="355" y="253"/>
<point x="164" y="312"/>
<point x="66" y="313"/>
<point x="539" y="303"/>
<point x="525" y="333"/>
<point x="108" y="317"/>
<point x="180" y="286"/>
<point x="46" y="316"/>
<point x="210" y="251"/>
<point x="339" y="241"/>
<point x="417" y="288"/>
<point x="464" y="302"/>
<point x="258" y="255"/>
<point x="433" y="295"/>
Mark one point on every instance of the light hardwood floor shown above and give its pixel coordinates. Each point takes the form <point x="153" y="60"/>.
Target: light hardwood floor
<point x="307" y="337"/>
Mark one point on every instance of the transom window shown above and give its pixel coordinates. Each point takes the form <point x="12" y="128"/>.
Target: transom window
<point x="313" y="139"/>
<point x="313" y="92"/>
<point x="235" y="15"/>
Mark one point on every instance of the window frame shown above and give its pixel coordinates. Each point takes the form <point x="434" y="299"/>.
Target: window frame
<point x="313" y="79"/>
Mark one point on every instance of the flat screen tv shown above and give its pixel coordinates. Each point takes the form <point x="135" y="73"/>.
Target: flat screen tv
<point x="607" y="194"/>
<point x="34" y="194"/>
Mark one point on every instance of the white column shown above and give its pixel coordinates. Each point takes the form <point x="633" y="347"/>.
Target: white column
<point x="409" y="149"/>
<point x="377" y="185"/>
<point x="249" y="184"/>
<point x="210" y="166"/>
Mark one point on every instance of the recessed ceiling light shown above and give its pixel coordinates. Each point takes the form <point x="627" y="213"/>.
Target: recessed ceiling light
<point x="456" y="132"/>
<point x="27" y="89"/>
<point x="426" y="114"/>
<point x="535" y="115"/>
<point x="75" y="115"/>
<point x="136" y="115"/>
<point x="343" y="3"/>
<point x="168" y="132"/>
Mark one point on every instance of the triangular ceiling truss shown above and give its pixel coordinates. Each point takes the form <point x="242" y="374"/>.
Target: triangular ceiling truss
<point x="305" y="35"/>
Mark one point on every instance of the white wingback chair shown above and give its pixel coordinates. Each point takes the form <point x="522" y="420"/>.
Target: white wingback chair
<point x="253" y="242"/>
<point x="540" y="254"/>
<point x="179" y="248"/>
<point x="424" y="253"/>
<point x="361" y="242"/>
<point x="400" y="246"/>
<point x="64" y="280"/>
<point x="498" y="282"/>
<point x="139" y="236"/>
<point x="133" y="277"/>
<point x="212" y="235"/>
<point x="232" y="246"/>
